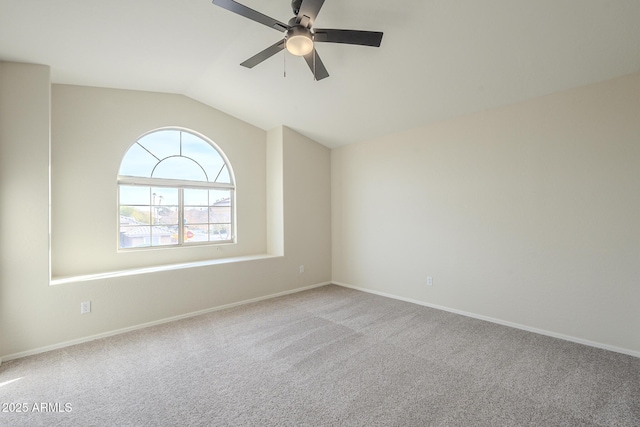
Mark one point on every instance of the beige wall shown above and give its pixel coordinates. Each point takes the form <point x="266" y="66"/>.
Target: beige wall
<point x="275" y="192"/>
<point x="89" y="126"/>
<point x="92" y="128"/>
<point x="24" y="203"/>
<point x="526" y="214"/>
<point x="307" y="191"/>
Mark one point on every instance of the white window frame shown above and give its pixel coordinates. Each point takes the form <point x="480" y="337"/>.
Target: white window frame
<point x="180" y="185"/>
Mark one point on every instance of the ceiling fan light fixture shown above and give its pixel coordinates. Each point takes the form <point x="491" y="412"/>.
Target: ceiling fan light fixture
<point x="299" y="41"/>
<point x="299" y="35"/>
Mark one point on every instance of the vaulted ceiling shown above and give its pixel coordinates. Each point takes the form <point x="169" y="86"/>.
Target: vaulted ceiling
<point x="438" y="59"/>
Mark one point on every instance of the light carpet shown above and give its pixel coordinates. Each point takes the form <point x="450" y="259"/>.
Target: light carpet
<point x="330" y="356"/>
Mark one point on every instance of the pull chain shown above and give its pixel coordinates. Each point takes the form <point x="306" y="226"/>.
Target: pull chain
<point x="314" y="65"/>
<point x="284" y="64"/>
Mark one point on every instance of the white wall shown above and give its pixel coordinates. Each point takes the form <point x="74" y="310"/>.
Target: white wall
<point x="24" y="201"/>
<point x="275" y="192"/>
<point x="92" y="128"/>
<point x="307" y="170"/>
<point x="35" y="315"/>
<point x="526" y="214"/>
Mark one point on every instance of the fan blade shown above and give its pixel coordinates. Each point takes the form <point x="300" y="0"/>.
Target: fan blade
<point x="362" y="38"/>
<point x="315" y="64"/>
<point x="241" y="10"/>
<point x="265" y="54"/>
<point x="308" y="12"/>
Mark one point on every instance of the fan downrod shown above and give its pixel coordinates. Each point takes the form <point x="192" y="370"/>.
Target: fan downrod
<point x="295" y="6"/>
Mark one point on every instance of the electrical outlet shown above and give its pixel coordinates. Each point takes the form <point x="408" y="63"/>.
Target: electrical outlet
<point x="429" y="281"/>
<point x="85" y="307"/>
<point x="302" y="269"/>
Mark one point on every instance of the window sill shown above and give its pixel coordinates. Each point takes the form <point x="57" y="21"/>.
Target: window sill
<point x="156" y="269"/>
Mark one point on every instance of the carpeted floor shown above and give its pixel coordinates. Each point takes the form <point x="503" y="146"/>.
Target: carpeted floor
<point x="325" y="357"/>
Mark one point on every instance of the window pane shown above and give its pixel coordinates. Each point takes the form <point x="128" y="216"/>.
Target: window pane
<point x="196" y="233"/>
<point x="135" y="195"/>
<point x="194" y="197"/>
<point x="152" y="215"/>
<point x="219" y="232"/>
<point x="223" y="177"/>
<point x="135" y="237"/>
<point x="135" y="215"/>
<point x="137" y="162"/>
<point x="202" y="152"/>
<point x="162" y="144"/>
<point x="220" y="197"/>
<point x="220" y="214"/>
<point x="179" y="168"/>
<point x="161" y="196"/>
<point x="220" y="209"/>
<point x="165" y="215"/>
<point x="196" y="215"/>
<point x="162" y="236"/>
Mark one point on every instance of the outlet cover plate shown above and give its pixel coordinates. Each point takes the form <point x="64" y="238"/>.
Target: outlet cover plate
<point x="85" y="307"/>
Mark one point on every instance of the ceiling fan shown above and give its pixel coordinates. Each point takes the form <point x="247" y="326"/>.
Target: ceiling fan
<point x="300" y="36"/>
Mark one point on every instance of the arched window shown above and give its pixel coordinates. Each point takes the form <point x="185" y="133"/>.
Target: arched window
<point x="175" y="188"/>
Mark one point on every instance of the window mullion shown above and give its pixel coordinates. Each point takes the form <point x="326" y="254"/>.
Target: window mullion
<point x="208" y="216"/>
<point x="181" y="216"/>
<point x="232" y="220"/>
<point x="151" y="219"/>
<point x="161" y="182"/>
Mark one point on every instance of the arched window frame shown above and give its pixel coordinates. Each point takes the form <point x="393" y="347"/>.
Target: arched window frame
<point x="181" y="186"/>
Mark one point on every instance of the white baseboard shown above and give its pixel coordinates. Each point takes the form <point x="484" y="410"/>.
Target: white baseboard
<point x="498" y="321"/>
<point x="154" y="323"/>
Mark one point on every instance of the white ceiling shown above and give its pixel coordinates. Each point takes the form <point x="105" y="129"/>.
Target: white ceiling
<point x="439" y="58"/>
